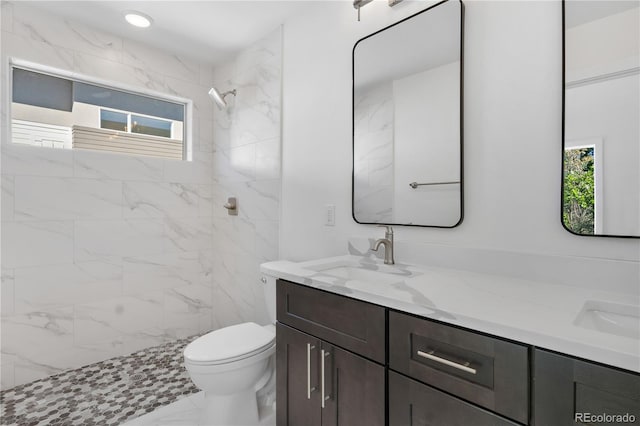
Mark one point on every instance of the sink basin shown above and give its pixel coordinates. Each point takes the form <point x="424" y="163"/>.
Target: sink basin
<point x="351" y="273"/>
<point x="373" y="278"/>
<point x="612" y="318"/>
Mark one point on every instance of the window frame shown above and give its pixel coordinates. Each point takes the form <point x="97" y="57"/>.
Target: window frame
<point x="129" y="115"/>
<point x="187" y="143"/>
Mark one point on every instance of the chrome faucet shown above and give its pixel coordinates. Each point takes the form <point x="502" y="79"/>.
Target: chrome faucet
<point x="387" y="242"/>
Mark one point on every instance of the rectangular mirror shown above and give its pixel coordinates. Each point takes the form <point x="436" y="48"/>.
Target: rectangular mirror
<point x="407" y="121"/>
<point x="601" y="118"/>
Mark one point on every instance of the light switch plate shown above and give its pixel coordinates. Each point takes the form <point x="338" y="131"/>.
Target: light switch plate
<point x="330" y="215"/>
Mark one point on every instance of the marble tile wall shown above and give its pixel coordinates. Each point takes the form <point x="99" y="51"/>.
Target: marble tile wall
<point x="105" y="254"/>
<point x="246" y="162"/>
<point x="373" y="154"/>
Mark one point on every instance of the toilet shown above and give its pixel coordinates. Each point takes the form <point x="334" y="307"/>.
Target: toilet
<point x="231" y="364"/>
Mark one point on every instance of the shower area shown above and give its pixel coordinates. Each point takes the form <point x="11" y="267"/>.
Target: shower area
<point x="113" y="262"/>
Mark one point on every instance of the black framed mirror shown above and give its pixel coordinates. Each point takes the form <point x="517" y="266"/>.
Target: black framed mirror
<point x="601" y="118"/>
<point x="408" y="121"/>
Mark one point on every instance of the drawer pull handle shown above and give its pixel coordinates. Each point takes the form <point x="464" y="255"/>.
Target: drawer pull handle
<point x="309" y="388"/>
<point x="444" y="361"/>
<point x="323" y="398"/>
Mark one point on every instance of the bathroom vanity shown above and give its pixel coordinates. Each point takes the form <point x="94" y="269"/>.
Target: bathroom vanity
<point x="359" y="342"/>
<point x="330" y="358"/>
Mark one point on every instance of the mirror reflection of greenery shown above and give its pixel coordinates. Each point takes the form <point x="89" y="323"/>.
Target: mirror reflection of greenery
<point x="578" y="211"/>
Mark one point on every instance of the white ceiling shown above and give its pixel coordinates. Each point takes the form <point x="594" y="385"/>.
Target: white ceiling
<point x="207" y="30"/>
<point x="578" y="12"/>
<point x="212" y="30"/>
<point x="432" y="38"/>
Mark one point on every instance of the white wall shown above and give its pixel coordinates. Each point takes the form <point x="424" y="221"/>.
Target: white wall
<point x="102" y="254"/>
<point x="105" y="254"/>
<point x="427" y="146"/>
<point x="604" y="45"/>
<point x="513" y="89"/>
<point x="42" y="115"/>
<point x="246" y="165"/>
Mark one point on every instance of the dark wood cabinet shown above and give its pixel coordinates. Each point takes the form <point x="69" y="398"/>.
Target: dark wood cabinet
<point x="412" y="403"/>
<point x="345" y="362"/>
<point x="355" y="389"/>
<point x="486" y="371"/>
<point x="297" y="399"/>
<point x="567" y="390"/>
<point x="320" y="383"/>
<point x="351" y="324"/>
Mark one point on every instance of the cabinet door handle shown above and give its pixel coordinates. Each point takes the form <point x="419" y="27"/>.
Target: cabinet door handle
<point x="323" y="398"/>
<point x="429" y="355"/>
<point x="309" y="388"/>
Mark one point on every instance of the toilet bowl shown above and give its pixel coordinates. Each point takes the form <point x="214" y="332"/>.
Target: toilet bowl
<point x="230" y="365"/>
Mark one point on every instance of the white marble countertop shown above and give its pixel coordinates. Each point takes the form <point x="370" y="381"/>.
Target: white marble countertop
<point x="536" y="313"/>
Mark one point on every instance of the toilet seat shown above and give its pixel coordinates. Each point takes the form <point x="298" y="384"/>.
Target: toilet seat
<point x="230" y="344"/>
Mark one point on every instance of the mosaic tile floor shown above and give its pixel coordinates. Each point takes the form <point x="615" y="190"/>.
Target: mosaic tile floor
<point x="106" y="393"/>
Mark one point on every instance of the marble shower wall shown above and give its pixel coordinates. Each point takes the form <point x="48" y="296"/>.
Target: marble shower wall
<point x="103" y="254"/>
<point x="246" y="163"/>
<point x="373" y="150"/>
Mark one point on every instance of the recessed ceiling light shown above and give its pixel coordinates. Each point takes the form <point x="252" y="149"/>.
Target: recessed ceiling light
<point x="138" y="19"/>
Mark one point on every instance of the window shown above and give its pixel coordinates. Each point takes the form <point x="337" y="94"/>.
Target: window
<point x="114" y="120"/>
<point x="150" y="126"/>
<point x="582" y="197"/>
<point x="132" y="123"/>
<point x="54" y="109"/>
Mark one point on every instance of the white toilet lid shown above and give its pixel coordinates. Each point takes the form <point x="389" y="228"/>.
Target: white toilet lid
<point x="230" y="343"/>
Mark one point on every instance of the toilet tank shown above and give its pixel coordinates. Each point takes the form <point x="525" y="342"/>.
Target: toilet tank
<point x="269" y="284"/>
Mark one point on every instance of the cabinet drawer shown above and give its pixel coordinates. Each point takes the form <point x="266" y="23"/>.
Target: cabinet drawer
<point x="354" y="325"/>
<point x="413" y="403"/>
<point x="489" y="372"/>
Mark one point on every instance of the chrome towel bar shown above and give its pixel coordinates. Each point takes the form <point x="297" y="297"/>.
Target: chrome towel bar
<point x="414" y="185"/>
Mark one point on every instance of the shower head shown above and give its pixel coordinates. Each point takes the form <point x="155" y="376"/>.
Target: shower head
<point x="218" y="97"/>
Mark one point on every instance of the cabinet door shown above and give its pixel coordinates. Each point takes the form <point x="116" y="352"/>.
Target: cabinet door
<point x="566" y="390"/>
<point x="297" y="394"/>
<point x="354" y="389"/>
<point x="412" y="403"/>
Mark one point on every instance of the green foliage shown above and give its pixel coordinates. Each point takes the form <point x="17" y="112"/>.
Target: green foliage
<point x="578" y="211"/>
